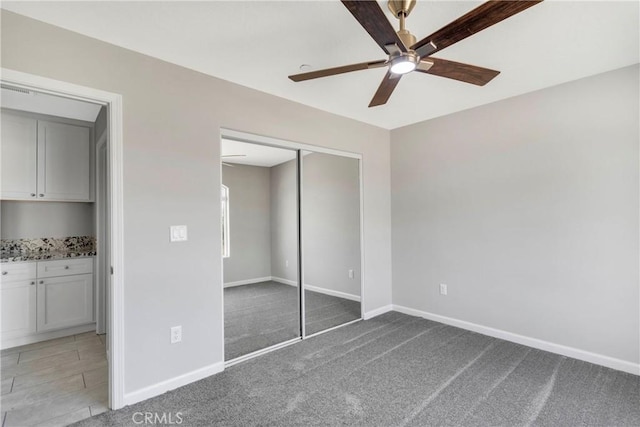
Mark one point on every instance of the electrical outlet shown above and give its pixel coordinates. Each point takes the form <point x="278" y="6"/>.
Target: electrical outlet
<point x="443" y="289"/>
<point x="176" y="334"/>
<point x="178" y="233"/>
<point x="351" y="275"/>
<point x="286" y="264"/>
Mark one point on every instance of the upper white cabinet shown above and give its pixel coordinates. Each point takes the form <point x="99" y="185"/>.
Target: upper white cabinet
<point x="64" y="161"/>
<point x="19" y="153"/>
<point x="45" y="160"/>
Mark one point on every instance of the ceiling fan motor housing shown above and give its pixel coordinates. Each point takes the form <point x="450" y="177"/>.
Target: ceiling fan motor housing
<point x="404" y="7"/>
<point x="407" y="38"/>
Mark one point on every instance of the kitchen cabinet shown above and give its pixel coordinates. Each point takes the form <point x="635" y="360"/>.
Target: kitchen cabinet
<point x="18" y="300"/>
<point x="64" y="162"/>
<point x="45" y="160"/>
<point x="64" y="301"/>
<point x="19" y="154"/>
<point x="42" y="296"/>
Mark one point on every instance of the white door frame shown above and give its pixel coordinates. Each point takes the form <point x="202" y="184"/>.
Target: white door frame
<point x="113" y="101"/>
<point x="102" y="261"/>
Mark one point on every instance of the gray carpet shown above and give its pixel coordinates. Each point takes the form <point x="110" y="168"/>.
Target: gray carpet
<point x="397" y="370"/>
<point x="260" y="315"/>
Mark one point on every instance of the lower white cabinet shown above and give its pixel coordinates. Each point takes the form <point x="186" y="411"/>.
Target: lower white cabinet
<point x="37" y="297"/>
<point x="64" y="301"/>
<point x="18" y="305"/>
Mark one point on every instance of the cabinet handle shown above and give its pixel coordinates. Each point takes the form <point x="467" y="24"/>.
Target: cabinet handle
<point x="33" y="194"/>
<point x="33" y="283"/>
<point x="4" y="273"/>
<point x="41" y="282"/>
<point x="41" y="195"/>
<point x="66" y="267"/>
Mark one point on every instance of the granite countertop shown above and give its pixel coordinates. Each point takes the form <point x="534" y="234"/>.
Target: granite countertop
<point x="17" y="256"/>
<point x="47" y="248"/>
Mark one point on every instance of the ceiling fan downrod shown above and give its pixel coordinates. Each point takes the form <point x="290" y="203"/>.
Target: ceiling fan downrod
<point x="401" y="9"/>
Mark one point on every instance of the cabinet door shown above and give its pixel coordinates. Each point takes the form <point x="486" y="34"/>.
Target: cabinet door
<point x="64" y="162"/>
<point x="65" y="301"/>
<point x="18" y="305"/>
<point x="18" y="152"/>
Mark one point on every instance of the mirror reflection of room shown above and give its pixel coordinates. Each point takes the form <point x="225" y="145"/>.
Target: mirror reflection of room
<point x="331" y="240"/>
<point x="260" y="247"/>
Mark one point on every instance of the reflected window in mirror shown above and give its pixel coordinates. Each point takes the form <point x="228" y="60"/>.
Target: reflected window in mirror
<point x="224" y="193"/>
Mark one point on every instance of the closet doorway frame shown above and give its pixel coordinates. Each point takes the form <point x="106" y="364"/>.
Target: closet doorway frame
<point x="113" y="103"/>
<point x="241" y="136"/>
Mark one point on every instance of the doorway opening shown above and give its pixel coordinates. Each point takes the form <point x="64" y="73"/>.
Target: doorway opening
<point x="62" y="244"/>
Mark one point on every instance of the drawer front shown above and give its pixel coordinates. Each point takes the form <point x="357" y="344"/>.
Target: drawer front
<point x="65" y="267"/>
<point x="15" y="271"/>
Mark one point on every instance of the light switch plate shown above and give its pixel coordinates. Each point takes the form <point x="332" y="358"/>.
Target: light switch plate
<point x="178" y="233"/>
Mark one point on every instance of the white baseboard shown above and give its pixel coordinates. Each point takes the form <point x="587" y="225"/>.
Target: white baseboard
<point x="284" y="281"/>
<point x="587" y="356"/>
<point x="173" y="383"/>
<point x="332" y="293"/>
<point x="30" y="339"/>
<point x="378" y="311"/>
<point x="247" y="281"/>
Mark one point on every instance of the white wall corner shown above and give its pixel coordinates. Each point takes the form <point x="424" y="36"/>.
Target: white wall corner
<point x="598" y="359"/>
<point x="173" y="383"/>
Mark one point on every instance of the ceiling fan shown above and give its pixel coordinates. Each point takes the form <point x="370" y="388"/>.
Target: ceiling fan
<point x="407" y="55"/>
<point x="231" y="155"/>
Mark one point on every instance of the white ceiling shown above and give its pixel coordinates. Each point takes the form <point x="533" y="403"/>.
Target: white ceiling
<point x="258" y="43"/>
<point x="43" y="103"/>
<point x="254" y="154"/>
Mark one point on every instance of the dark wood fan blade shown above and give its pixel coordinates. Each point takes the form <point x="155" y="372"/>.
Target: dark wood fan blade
<point x="337" y="70"/>
<point x="385" y="89"/>
<point x="373" y="19"/>
<point x="457" y="71"/>
<point x="478" y="19"/>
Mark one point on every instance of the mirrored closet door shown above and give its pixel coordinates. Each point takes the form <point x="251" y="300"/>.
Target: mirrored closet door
<point x="260" y="247"/>
<point x="279" y="206"/>
<point x="330" y="240"/>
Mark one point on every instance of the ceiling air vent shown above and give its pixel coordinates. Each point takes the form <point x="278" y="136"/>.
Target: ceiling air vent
<point x="15" y="89"/>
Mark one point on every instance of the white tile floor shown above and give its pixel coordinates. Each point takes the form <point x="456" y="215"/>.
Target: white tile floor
<point x="55" y="382"/>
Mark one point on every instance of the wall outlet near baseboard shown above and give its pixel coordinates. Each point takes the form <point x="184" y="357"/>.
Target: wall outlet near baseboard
<point x="443" y="289"/>
<point x="286" y="264"/>
<point x="176" y="334"/>
<point x="351" y="274"/>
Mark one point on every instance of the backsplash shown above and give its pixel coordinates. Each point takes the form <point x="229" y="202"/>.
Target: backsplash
<point x="49" y="244"/>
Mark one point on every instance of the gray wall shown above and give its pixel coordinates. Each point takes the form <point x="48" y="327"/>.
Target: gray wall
<point x="528" y="210"/>
<point x="249" y="222"/>
<point x="172" y="120"/>
<point x="331" y="222"/>
<point x="284" y="221"/>
<point x="26" y="220"/>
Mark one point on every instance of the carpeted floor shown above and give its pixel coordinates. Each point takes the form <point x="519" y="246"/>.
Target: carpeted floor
<point x="263" y="314"/>
<point x="397" y="370"/>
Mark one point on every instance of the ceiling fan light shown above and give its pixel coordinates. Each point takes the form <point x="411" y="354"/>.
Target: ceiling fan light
<point x="403" y="67"/>
<point x="404" y="64"/>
